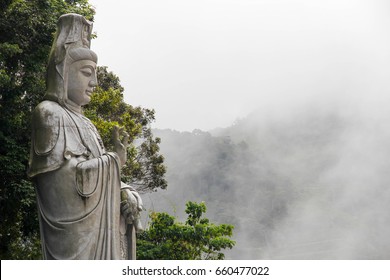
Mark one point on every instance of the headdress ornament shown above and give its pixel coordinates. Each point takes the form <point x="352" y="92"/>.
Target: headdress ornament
<point x="73" y="32"/>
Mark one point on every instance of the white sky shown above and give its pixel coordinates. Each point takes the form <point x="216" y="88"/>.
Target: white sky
<point x="205" y="63"/>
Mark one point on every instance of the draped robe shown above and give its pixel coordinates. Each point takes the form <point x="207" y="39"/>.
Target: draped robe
<point x="78" y="186"/>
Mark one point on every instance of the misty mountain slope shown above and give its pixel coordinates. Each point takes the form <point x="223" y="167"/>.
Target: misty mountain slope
<point x="312" y="185"/>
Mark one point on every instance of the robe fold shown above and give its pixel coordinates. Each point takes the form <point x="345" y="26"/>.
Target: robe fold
<point x="78" y="186"/>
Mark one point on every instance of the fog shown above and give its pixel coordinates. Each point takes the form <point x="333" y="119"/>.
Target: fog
<point x="202" y="64"/>
<point x="292" y="101"/>
<point x="310" y="183"/>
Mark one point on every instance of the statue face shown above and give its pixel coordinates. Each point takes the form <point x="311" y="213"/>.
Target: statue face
<point x="81" y="81"/>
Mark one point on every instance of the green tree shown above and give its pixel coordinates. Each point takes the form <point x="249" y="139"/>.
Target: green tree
<point x="144" y="169"/>
<point x="26" y="35"/>
<point x="196" y="239"/>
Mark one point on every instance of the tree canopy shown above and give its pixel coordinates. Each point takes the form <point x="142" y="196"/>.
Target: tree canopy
<point x="196" y="239"/>
<point x="144" y="169"/>
<point x="26" y="34"/>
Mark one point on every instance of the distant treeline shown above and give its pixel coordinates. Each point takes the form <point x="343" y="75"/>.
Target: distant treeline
<point x="284" y="183"/>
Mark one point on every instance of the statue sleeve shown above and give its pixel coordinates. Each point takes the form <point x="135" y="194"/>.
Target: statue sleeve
<point x="54" y="139"/>
<point x="90" y="173"/>
<point x="46" y="129"/>
<point x="46" y="139"/>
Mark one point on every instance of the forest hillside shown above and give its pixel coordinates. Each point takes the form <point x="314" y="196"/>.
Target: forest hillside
<point x="306" y="185"/>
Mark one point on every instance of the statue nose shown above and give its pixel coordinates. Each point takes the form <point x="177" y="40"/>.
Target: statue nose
<point x="93" y="83"/>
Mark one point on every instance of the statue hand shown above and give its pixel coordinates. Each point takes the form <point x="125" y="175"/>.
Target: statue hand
<point x="120" y="146"/>
<point x="131" y="205"/>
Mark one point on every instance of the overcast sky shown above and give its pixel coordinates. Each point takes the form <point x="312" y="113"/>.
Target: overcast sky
<point x="205" y="63"/>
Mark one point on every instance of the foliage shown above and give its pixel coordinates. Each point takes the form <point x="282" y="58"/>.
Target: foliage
<point x="196" y="239"/>
<point x="26" y="34"/>
<point x="259" y="174"/>
<point x="144" y="168"/>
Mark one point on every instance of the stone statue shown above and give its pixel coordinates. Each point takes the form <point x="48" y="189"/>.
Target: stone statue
<point x="85" y="211"/>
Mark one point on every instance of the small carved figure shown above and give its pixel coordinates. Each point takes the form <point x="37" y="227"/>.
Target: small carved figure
<point x="82" y="213"/>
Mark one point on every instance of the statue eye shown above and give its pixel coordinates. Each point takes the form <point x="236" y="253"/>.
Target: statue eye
<point x="87" y="72"/>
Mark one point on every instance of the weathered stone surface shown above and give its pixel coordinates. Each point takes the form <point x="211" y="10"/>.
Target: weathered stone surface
<point x="77" y="180"/>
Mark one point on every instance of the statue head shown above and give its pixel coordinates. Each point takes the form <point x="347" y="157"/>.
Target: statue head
<point x="81" y="77"/>
<point x="71" y="72"/>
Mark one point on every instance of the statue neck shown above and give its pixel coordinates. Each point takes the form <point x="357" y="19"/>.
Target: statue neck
<point x="73" y="106"/>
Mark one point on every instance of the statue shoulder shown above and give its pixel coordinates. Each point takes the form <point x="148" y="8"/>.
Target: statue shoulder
<point x="47" y="113"/>
<point x="46" y="124"/>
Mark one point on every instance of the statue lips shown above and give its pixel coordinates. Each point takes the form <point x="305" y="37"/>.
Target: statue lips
<point x="89" y="92"/>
